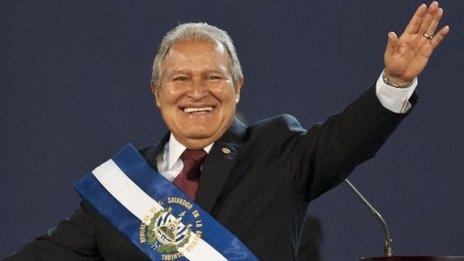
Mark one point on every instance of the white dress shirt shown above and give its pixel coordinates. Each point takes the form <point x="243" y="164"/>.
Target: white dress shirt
<point x="169" y="162"/>
<point x="394" y="99"/>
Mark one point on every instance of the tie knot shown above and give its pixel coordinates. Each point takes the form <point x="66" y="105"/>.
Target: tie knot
<point x="198" y="156"/>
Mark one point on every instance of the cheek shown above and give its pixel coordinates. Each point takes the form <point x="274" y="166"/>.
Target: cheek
<point x="225" y="93"/>
<point x="169" y="96"/>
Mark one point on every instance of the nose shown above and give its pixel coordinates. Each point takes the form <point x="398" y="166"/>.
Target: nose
<point x="198" y="89"/>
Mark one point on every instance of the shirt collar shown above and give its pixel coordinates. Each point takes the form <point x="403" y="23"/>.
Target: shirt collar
<point x="175" y="149"/>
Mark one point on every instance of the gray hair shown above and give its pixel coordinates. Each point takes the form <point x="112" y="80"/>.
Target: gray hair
<point x="195" y="31"/>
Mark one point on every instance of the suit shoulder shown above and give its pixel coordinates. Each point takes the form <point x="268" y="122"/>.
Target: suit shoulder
<point x="278" y="125"/>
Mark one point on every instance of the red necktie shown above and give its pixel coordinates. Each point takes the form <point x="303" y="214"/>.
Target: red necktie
<point x="189" y="178"/>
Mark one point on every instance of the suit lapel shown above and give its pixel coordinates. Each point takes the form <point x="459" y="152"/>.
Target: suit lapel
<point x="150" y="153"/>
<point x="218" y="165"/>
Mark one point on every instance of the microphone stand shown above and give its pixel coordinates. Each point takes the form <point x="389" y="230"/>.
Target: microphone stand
<point x="388" y="249"/>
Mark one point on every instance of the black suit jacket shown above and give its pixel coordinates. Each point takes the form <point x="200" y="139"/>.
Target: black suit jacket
<point x="260" y="191"/>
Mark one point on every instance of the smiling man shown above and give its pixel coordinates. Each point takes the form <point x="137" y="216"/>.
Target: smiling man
<point x="195" y="88"/>
<point x="253" y="183"/>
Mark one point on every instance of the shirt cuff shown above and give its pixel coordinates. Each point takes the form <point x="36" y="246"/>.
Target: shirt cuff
<point x="392" y="98"/>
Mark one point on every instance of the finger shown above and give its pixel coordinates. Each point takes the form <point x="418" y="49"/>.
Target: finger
<point x="436" y="19"/>
<point x="436" y="40"/>
<point x="428" y="17"/>
<point x="416" y="19"/>
<point x="392" y="42"/>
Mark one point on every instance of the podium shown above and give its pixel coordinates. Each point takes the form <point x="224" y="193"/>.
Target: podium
<point x="413" y="258"/>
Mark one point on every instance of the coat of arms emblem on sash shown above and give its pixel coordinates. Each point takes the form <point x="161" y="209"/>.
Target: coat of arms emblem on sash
<point x="176" y="226"/>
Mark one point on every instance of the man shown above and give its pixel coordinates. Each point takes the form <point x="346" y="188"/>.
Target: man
<point x="257" y="181"/>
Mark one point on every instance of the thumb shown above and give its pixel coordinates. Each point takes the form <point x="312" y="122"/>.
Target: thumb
<point x="392" y="43"/>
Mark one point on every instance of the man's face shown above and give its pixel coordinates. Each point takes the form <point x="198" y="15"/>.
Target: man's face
<point x="197" y="97"/>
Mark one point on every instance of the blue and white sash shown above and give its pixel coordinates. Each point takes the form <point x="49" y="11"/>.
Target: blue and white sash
<point x="154" y="214"/>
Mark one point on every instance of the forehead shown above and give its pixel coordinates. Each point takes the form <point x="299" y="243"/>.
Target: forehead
<point x="196" y="55"/>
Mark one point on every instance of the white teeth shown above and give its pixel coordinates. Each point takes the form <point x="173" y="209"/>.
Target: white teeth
<point x="204" y="109"/>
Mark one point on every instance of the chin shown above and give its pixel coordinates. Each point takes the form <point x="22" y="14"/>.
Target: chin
<point x="196" y="134"/>
<point x="194" y="130"/>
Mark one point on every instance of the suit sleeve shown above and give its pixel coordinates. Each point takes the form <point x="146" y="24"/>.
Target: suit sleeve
<point x="72" y="239"/>
<point x="320" y="158"/>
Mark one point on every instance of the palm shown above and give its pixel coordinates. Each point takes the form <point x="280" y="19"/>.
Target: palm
<point x="407" y="56"/>
<point x="410" y="57"/>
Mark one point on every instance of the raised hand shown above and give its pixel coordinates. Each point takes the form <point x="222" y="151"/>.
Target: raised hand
<point x="405" y="57"/>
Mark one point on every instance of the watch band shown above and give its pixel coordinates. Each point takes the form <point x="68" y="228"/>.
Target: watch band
<point x="388" y="82"/>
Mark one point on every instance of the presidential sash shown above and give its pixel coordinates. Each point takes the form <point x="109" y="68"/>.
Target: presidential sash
<point x="154" y="214"/>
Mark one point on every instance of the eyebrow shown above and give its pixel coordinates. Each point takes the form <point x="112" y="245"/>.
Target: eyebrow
<point x="170" y="74"/>
<point x="176" y="72"/>
<point x="216" y="71"/>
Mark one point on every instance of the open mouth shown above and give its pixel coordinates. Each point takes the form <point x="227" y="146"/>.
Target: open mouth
<point x="198" y="110"/>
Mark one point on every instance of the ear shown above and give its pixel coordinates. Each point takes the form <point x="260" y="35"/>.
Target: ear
<point x="155" y="90"/>
<point x="238" y="86"/>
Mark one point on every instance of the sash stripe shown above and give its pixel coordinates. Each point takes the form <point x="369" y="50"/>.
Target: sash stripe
<point x="125" y="190"/>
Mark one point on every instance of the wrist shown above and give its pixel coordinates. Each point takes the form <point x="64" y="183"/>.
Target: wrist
<point x="394" y="81"/>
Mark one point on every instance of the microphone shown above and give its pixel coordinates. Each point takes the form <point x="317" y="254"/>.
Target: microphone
<point x="388" y="248"/>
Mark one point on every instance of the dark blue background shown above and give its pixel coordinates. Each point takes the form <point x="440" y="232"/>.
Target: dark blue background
<point x="74" y="89"/>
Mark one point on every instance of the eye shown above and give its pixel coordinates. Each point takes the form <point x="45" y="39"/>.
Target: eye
<point x="180" y="78"/>
<point x="214" y="77"/>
